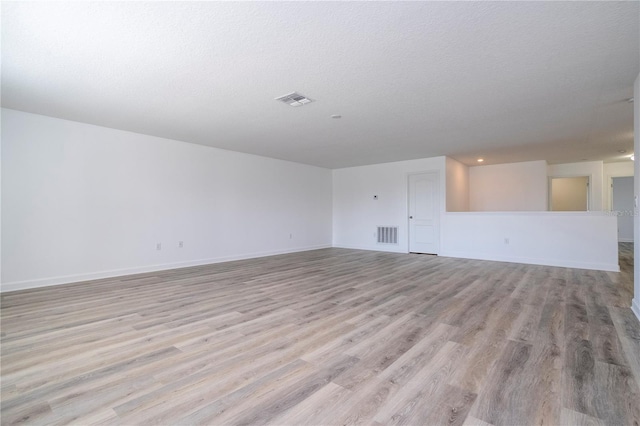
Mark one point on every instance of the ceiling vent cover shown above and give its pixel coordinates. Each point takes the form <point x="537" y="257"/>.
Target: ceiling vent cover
<point x="294" y="99"/>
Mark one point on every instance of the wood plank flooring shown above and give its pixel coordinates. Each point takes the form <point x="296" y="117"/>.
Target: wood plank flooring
<point x="327" y="337"/>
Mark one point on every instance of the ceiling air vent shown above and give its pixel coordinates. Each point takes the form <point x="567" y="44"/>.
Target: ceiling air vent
<point x="294" y="99"/>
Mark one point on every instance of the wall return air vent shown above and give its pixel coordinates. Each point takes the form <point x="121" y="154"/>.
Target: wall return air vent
<point x="294" y="99"/>
<point x="387" y="235"/>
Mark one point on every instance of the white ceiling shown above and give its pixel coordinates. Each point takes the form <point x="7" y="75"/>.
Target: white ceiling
<point x="508" y="81"/>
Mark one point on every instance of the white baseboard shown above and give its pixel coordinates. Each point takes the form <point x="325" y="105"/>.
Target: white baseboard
<point x="67" y="279"/>
<point x="384" y="247"/>
<point x="635" y="306"/>
<point x="625" y="240"/>
<point x="535" y="261"/>
<point x="512" y="259"/>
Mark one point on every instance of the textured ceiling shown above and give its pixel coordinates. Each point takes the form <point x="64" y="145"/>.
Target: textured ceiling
<point x="508" y="81"/>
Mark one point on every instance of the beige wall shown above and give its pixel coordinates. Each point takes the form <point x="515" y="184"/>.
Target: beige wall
<point x="593" y="169"/>
<point x="569" y="194"/>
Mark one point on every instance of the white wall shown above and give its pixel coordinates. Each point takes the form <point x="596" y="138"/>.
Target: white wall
<point x="611" y="170"/>
<point x="577" y="240"/>
<point x="580" y="240"/>
<point x="509" y="187"/>
<point x="636" y="181"/>
<point x="457" y="183"/>
<point x="593" y="169"/>
<point x="82" y="201"/>
<point x="356" y="214"/>
<point x="618" y="169"/>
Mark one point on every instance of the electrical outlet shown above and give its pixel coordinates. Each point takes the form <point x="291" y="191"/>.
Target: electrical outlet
<point x="506" y="241"/>
<point x="180" y="244"/>
<point x="290" y="236"/>
<point x="159" y="246"/>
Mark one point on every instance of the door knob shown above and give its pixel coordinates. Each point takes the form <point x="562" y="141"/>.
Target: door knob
<point x="410" y="217"/>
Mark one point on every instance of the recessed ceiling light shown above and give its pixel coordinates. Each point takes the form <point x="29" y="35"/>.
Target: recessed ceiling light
<point x="294" y="99"/>
<point x="622" y="151"/>
<point x="480" y="160"/>
<point x="336" y="116"/>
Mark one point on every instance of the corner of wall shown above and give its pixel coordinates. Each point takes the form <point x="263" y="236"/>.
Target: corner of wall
<point x="456" y="186"/>
<point x="636" y="190"/>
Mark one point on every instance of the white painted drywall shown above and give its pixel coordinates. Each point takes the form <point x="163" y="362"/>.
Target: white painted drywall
<point x="356" y="214"/>
<point x="578" y="240"/>
<point x="593" y="169"/>
<point x="622" y="204"/>
<point x="636" y="190"/>
<point x="81" y="201"/>
<point x="611" y="170"/>
<point x="509" y="187"/>
<point x="457" y="183"/>
<point x="621" y="168"/>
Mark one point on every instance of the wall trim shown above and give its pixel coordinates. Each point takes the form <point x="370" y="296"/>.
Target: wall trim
<point x="370" y="248"/>
<point x="625" y="240"/>
<point x="534" y="261"/>
<point x="510" y="259"/>
<point x="69" y="279"/>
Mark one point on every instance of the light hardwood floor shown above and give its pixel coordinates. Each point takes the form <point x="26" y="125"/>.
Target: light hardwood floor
<point x="331" y="336"/>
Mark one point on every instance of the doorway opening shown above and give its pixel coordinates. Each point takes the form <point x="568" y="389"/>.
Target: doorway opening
<point x="622" y="205"/>
<point x="569" y="194"/>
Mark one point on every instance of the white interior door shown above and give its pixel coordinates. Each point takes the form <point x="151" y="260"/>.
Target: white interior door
<point x="424" y="230"/>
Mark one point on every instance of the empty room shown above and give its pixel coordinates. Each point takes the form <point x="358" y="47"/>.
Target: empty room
<point x="319" y="213"/>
